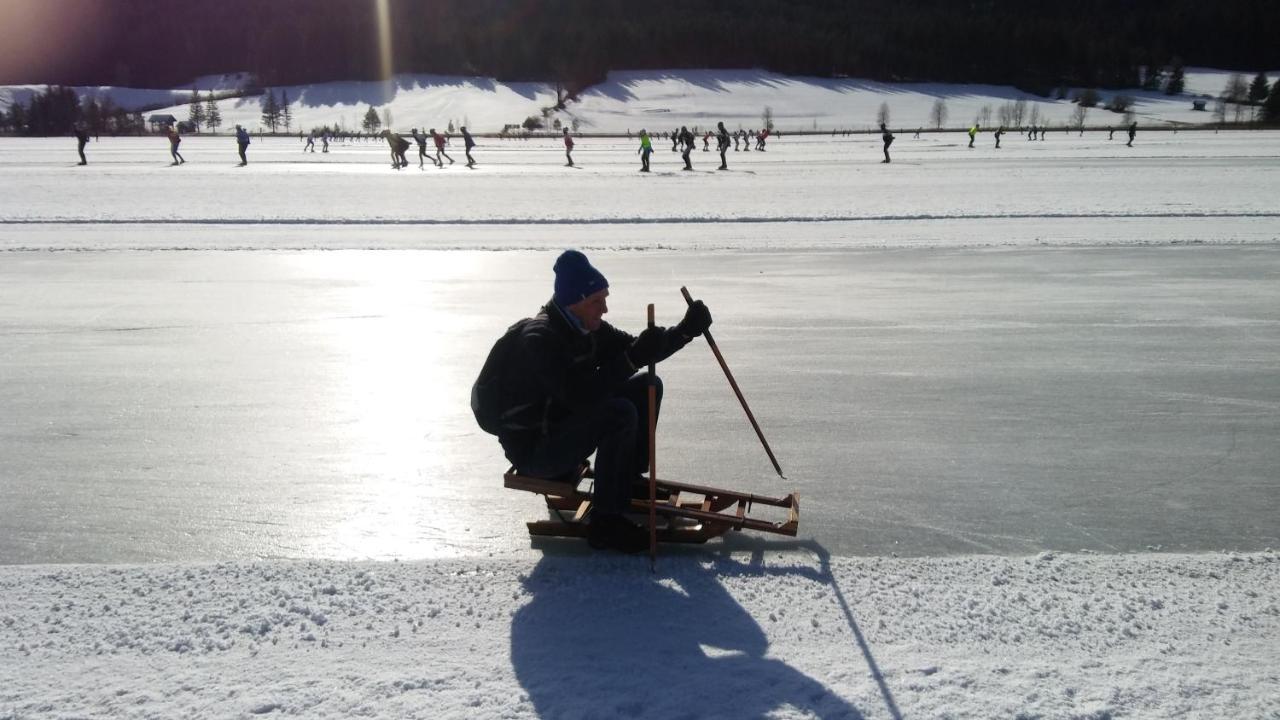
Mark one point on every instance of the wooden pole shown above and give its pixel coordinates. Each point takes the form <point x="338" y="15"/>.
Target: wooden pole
<point x="653" y="460"/>
<point x="733" y="384"/>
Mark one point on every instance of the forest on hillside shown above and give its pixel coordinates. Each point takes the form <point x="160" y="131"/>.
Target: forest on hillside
<point x="1033" y="45"/>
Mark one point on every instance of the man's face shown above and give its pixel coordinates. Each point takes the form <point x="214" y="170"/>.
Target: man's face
<point x="590" y="310"/>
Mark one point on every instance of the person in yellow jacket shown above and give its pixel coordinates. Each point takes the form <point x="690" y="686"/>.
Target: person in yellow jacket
<point x="646" y="149"/>
<point x="973" y="133"/>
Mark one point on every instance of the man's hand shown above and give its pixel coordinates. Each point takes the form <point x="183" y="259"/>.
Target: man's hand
<point x="696" y="320"/>
<point x="646" y="347"/>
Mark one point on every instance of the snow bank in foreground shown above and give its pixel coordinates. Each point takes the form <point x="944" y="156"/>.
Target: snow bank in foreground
<point x="746" y="634"/>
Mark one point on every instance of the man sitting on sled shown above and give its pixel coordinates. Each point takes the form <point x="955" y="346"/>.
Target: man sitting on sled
<point x="567" y="384"/>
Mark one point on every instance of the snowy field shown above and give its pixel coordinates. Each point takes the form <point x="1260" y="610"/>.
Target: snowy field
<point x="1029" y="398"/>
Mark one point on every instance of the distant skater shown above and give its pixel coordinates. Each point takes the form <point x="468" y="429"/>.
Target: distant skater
<point x="675" y="141"/>
<point x="646" y="149"/>
<point x="468" y="142"/>
<point x="706" y="141"/>
<point x="399" y="146"/>
<point x="722" y="137"/>
<point x="568" y="148"/>
<point x="174" y="141"/>
<point x="1111" y="133"/>
<point x="324" y="141"/>
<point x="999" y="132"/>
<point x="82" y="139"/>
<point x="311" y="142"/>
<point x="1133" y="132"/>
<point x="242" y="143"/>
<point x="440" y="148"/>
<point x="973" y="133"/>
<point x="686" y="139"/>
<point x="887" y="138"/>
<point x="421" y="140"/>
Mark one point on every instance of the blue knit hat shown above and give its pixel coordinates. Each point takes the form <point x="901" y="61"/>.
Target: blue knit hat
<point x="576" y="278"/>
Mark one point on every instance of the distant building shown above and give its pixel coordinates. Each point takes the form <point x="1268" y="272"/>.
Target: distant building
<point x="161" y="122"/>
<point x="1197" y="105"/>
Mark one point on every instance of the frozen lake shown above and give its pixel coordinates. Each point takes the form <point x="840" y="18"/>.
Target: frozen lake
<point x="1063" y="345"/>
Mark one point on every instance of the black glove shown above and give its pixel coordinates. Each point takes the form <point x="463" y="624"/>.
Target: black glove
<point x="646" y="347"/>
<point x="696" y="320"/>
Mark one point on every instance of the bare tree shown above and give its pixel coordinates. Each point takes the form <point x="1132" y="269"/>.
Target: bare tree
<point x="1035" y="116"/>
<point x="882" y="116"/>
<point x="984" y="115"/>
<point x="939" y="113"/>
<point x="1236" y="92"/>
<point x="1078" y="117"/>
<point x="767" y="117"/>
<point x="1019" y="112"/>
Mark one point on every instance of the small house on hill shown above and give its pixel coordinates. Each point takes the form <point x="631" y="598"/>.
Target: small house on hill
<point x="1198" y="105"/>
<point x="161" y="122"/>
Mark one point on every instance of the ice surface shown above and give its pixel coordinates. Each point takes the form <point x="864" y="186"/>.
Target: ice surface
<point x="1062" y="345"/>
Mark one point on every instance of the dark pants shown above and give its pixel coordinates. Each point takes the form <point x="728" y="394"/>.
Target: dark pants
<point x="723" y="149"/>
<point x="617" y="431"/>
<point x="470" y="160"/>
<point x="80" y="150"/>
<point x="687" y="149"/>
<point x="644" y="160"/>
<point x="244" y="160"/>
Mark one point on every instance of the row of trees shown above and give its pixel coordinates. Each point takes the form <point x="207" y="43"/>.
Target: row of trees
<point x="58" y="110"/>
<point x="1038" y="46"/>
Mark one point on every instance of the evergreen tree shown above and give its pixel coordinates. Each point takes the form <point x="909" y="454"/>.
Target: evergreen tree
<point x="1177" y="80"/>
<point x="1258" y="89"/>
<point x="1271" y="108"/>
<point x="882" y="115"/>
<point x="195" y="110"/>
<point x="92" y="116"/>
<point x="286" y="115"/>
<point x="270" y="111"/>
<point x="371" y="121"/>
<point x="212" y="115"/>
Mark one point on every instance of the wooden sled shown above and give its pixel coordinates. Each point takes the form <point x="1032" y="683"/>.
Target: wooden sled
<point x="686" y="513"/>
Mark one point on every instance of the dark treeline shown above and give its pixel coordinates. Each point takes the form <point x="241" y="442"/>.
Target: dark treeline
<point x="1033" y="45"/>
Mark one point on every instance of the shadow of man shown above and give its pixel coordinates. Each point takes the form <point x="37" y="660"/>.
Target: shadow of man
<point x="603" y="638"/>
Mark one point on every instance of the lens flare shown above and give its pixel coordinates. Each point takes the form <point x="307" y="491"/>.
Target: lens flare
<point x="383" y="8"/>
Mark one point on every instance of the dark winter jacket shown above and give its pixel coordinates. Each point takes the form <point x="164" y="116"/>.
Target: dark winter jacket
<point x="557" y="370"/>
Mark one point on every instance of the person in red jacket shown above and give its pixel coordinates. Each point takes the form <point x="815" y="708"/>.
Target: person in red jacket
<point x="439" y="139"/>
<point x="568" y="147"/>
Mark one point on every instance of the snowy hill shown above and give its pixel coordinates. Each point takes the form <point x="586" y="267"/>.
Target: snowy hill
<point x="656" y="100"/>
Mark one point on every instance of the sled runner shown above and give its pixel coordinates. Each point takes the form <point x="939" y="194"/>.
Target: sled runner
<point x="686" y="513"/>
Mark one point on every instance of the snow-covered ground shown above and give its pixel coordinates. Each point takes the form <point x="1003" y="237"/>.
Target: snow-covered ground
<point x="1029" y="398"/>
<point x="660" y="101"/>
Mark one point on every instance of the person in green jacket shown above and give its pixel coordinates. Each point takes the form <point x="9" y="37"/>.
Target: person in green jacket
<point x="646" y="149"/>
<point x="973" y="133"/>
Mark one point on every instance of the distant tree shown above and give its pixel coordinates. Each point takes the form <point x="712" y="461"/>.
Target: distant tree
<point x="1220" y="110"/>
<point x="555" y="124"/>
<point x="286" y="114"/>
<point x="1019" y="112"/>
<point x="1152" y="76"/>
<point x="1120" y="104"/>
<point x="212" y="115"/>
<point x="531" y="123"/>
<point x="1177" y="80"/>
<point x="386" y="117"/>
<point x="984" y="115"/>
<point x="1271" y="108"/>
<point x="1078" y="117"/>
<point x="450" y="129"/>
<point x="91" y="113"/>
<point x="766" y="117"/>
<point x="882" y="115"/>
<point x="1236" y="92"/>
<point x="270" y="111"/>
<point x="371" y="121"/>
<point x="938" y="115"/>
<point x="1258" y="89"/>
<point x="18" y="118"/>
<point x="1088" y="98"/>
<point x="195" y="110"/>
